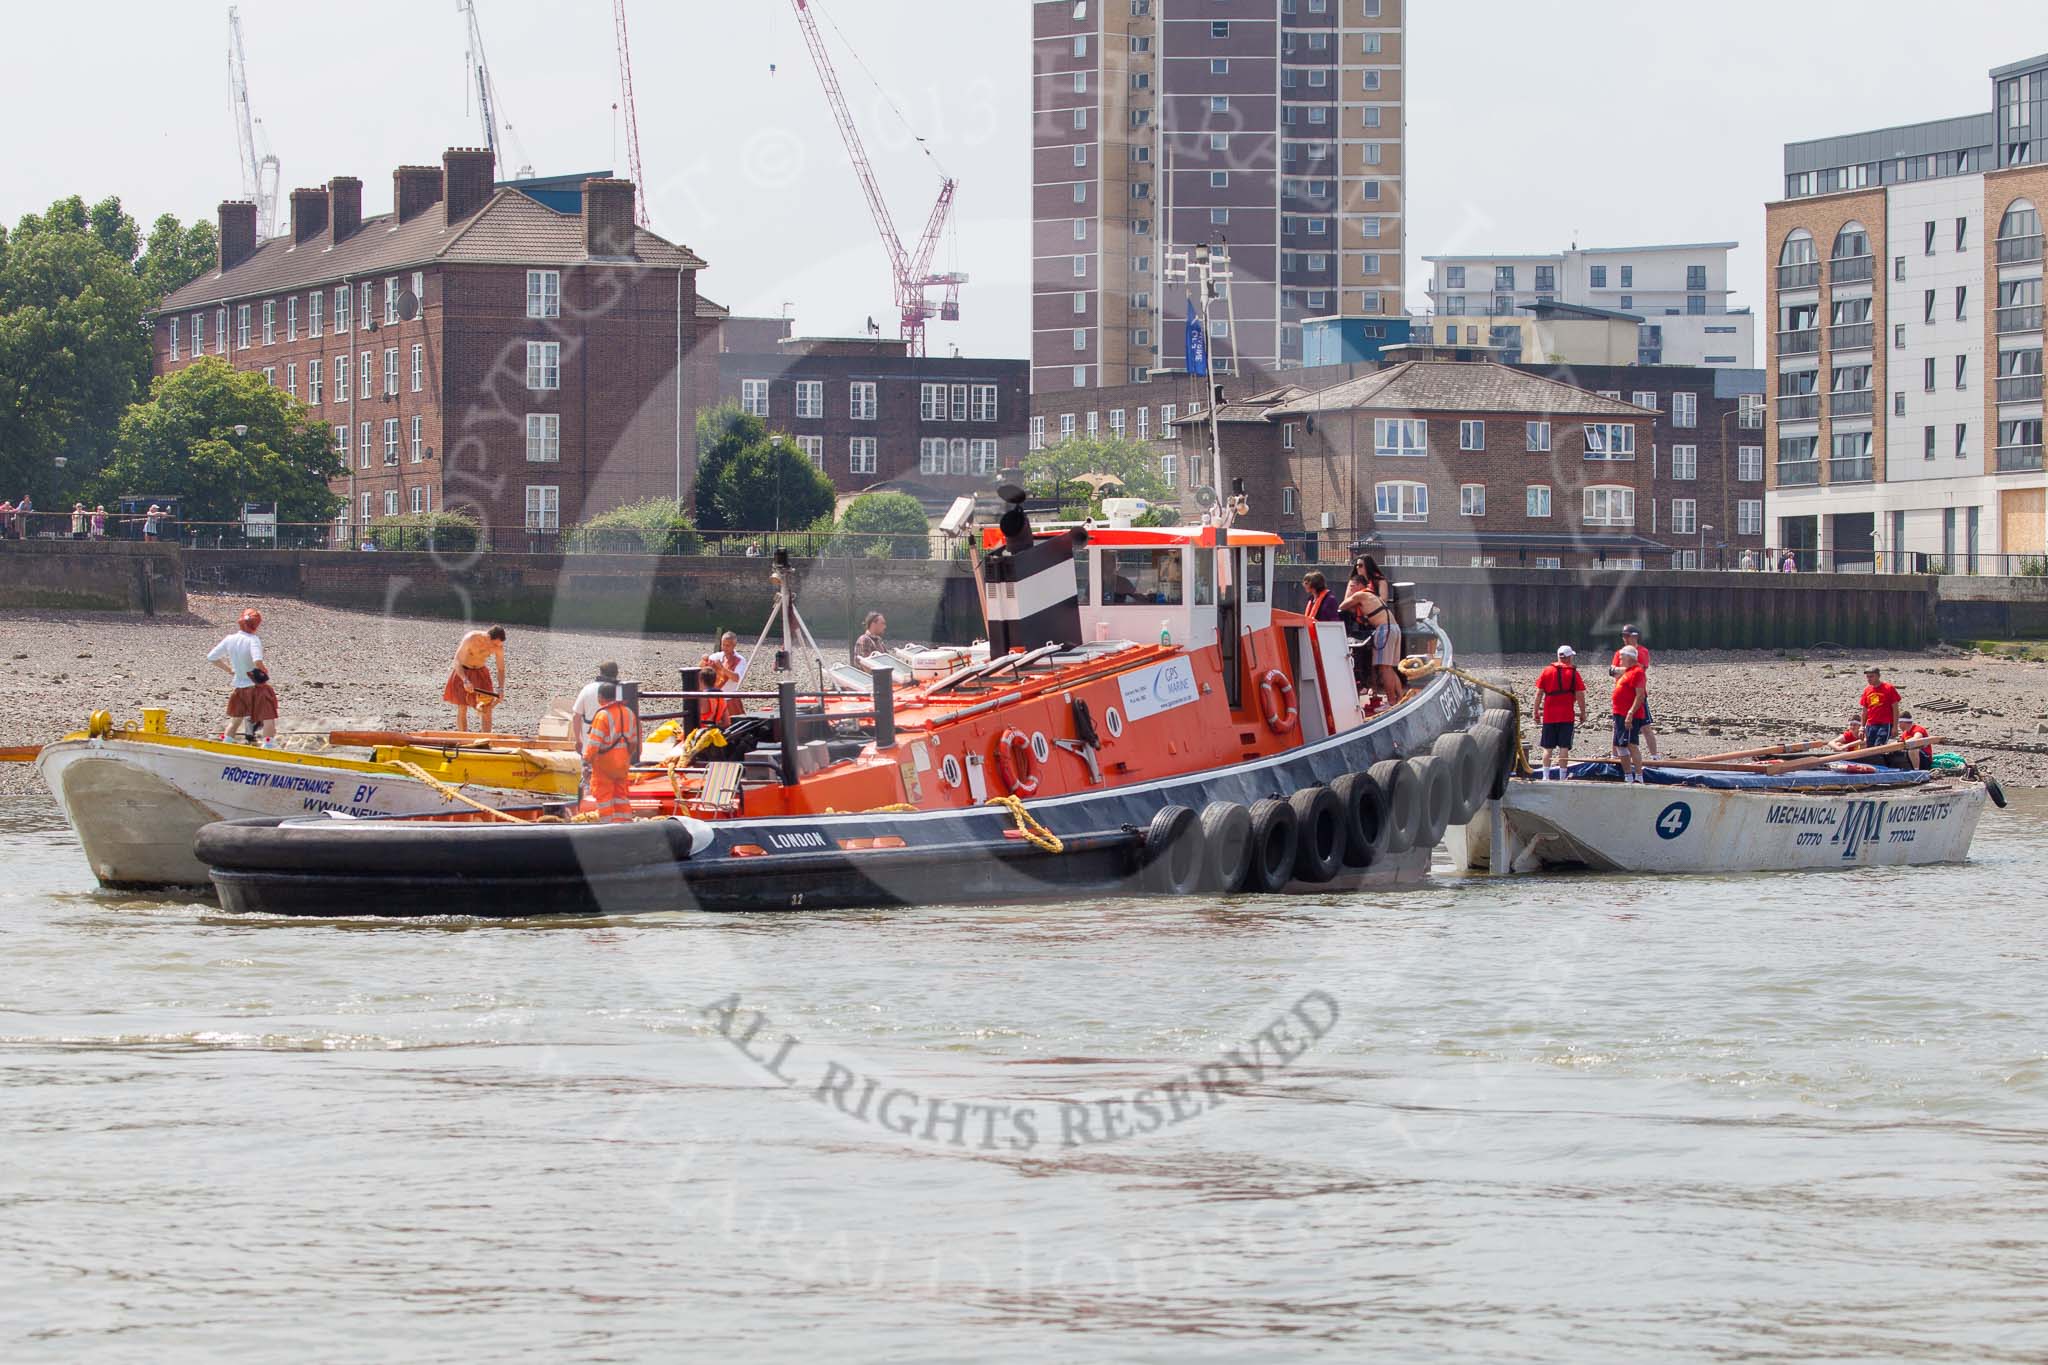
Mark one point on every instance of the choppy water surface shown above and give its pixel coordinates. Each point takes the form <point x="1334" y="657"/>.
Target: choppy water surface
<point x="1798" y="1115"/>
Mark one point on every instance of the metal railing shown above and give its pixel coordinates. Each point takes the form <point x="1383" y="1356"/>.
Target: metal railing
<point x="2023" y="317"/>
<point x="1850" y="336"/>
<point x="1805" y="341"/>
<point x="1850" y="269"/>
<point x="1798" y="473"/>
<point x="1798" y="407"/>
<point x="2014" y="459"/>
<point x="1858" y="469"/>
<point x="2019" y="250"/>
<point x="2019" y="388"/>
<point x="1851" y="402"/>
<point x="1799" y="275"/>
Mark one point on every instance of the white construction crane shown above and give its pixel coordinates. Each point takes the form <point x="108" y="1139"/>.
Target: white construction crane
<point x="631" y="112"/>
<point x="487" y="104"/>
<point x="260" y="169"/>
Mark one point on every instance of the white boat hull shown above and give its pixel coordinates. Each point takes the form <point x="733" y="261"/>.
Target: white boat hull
<point x="1618" y="827"/>
<point x="136" y="805"/>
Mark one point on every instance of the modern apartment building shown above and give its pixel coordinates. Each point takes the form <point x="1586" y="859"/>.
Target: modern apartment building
<point x="1274" y="126"/>
<point x="1677" y="296"/>
<point x="1905" y="355"/>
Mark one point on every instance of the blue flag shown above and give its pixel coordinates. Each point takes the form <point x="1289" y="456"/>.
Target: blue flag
<point x="1198" y="343"/>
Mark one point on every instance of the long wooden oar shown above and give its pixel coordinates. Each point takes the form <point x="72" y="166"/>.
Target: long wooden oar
<point x="1857" y="755"/>
<point x="1768" y="751"/>
<point x="19" y="753"/>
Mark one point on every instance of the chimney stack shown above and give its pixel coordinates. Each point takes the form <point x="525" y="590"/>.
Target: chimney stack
<point x="344" y="207"/>
<point x="414" y="190"/>
<point x="237" y="233"/>
<point x="608" y="218"/>
<point x="468" y="176"/>
<point x="309" y="214"/>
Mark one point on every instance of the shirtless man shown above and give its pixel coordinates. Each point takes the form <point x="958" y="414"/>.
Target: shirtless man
<point x="469" y="681"/>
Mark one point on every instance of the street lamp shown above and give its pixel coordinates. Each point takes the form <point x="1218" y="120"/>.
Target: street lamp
<point x="1704" y="528"/>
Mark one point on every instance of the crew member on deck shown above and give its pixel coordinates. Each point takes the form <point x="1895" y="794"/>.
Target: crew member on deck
<point x="1563" y="690"/>
<point x="1631" y="696"/>
<point x="1922" y="757"/>
<point x="728" y="661"/>
<point x="1321" y="606"/>
<point x="1880" y="703"/>
<point x="714" y="711"/>
<point x="585" y="710"/>
<point x="1631" y="637"/>
<point x="240" y="655"/>
<point x="871" y="641"/>
<point x="610" y="747"/>
<point x="469" y="680"/>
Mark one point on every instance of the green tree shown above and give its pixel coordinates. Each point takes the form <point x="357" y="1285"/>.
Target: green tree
<point x="182" y="441"/>
<point x="771" y="486"/>
<point x="73" y="349"/>
<point x="1135" y="463"/>
<point x="885" y="525"/>
<point x="655" y="526"/>
<point x="176" y="256"/>
<point x="723" y="433"/>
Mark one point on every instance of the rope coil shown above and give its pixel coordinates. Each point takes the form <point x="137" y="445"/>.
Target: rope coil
<point x="1035" y="834"/>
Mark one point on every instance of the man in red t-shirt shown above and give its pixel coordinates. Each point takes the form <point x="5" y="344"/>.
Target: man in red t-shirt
<point x="1631" y="638"/>
<point x="1631" y="700"/>
<point x="1563" y="693"/>
<point x="1922" y="757"/>
<point x="1880" y="703"/>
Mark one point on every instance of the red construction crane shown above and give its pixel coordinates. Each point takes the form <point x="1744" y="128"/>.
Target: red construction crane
<point x="913" y="269"/>
<point x="632" y="114"/>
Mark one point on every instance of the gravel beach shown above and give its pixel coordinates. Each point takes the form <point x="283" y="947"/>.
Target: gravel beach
<point x="335" y="667"/>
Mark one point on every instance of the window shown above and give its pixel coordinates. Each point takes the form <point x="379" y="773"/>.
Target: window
<point x="1219" y="66"/>
<point x="1219" y="180"/>
<point x="1080" y="118"/>
<point x="366" y="509"/>
<point x="1962" y="234"/>
<point x="753" y="396"/>
<point x="1471" y="435"/>
<point x="1219" y="142"/>
<point x="543" y="507"/>
<point x="1400" y="437"/>
<point x="931" y="455"/>
<point x="1536" y="500"/>
<point x="1471" y="499"/>
<point x="1962" y="372"/>
<point x="390" y="440"/>
<point x="1927" y="443"/>
<point x="391" y="372"/>
<point x="1609" y="506"/>
<point x="1749" y="464"/>
<point x="315" y="302"/>
<point x="391" y="300"/>
<point x="1610" y="441"/>
<point x="241" y="326"/>
<point x="1081" y="45"/>
<point x="1644" y="398"/>
<point x="1695" y="277"/>
<point x="419" y="499"/>
<point x="1080" y="338"/>
<point x="341" y="442"/>
<point x="1080" y="229"/>
<point x="1400" y="501"/>
<point x="1144" y="429"/>
<point x="959" y="396"/>
<point x="981" y="455"/>
<point x="270" y="375"/>
<point x="1750" y="410"/>
<point x="1536" y="436"/>
<point x="1685" y="516"/>
<point x="860" y="455"/>
<point x="341" y="378"/>
<point x="1287" y="435"/>
<point x="1219" y="217"/>
<point x="1289" y="496"/>
<point x="1962" y="439"/>
<point x="1685" y="409"/>
<point x="861" y="402"/>
<point x="1169" y="470"/>
<point x="313" y="394"/>
<point x="1454" y="277"/>
<point x="1962" y="302"/>
<point x="1927" y="306"/>
<point x="931" y="402"/>
<point x="1685" y="462"/>
<point x="363" y="370"/>
<point x="1080" y="154"/>
<point x="1219" y="104"/>
<point x="1628" y="277"/>
<point x="983" y="403"/>
<point x="1597" y="277"/>
<point x="1749" y="517"/>
<point x="198" y="335"/>
<point x="1066" y="426"/>
<point x="419" y="443"/>
<point x="1038" y="433"/>
<point x="269" y="322"/>
<point x="174" y="340"/>
<point x="1116" y="423"/>
<point x="363" y="306"/>
<point x="220" y="331"/>
<point x="291" y="378"/>
<point x="543" y="365"/>
<point x="291" y="318"/>
<point x="341" y="307"/>
<point x="391" y="502"/>
<point x="1927" y="374"/>
<point x="1504" y="278"/>
<point x="813" y="448"/>
<point x="1898" y="336"/>
<point x="1898" y="267"/>
<point x="1219" y="28"/>
<point x="1094" y="424"/>
<point x="810" y="398"/>
<point x="1080" y="266"/>
<point x="1927" y="238"/>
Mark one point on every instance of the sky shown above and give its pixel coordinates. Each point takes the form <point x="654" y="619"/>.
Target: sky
<point x="1605" y="122"/>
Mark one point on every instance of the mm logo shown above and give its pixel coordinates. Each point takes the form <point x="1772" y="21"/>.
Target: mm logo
<point x="1864" y="823"/>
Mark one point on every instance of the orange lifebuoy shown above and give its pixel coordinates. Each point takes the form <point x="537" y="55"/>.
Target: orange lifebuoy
<point x="1276" y="696"/>
<point x="1013" y="761"/>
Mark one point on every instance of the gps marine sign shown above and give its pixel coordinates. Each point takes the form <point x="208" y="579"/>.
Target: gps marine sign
<point x="1159" y="688"/>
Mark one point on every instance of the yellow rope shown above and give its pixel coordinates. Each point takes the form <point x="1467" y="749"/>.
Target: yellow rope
<point x="449" y="793"/>
<point x="702" y="738"/>
<point x="899" y="808"/>
<point x="1034" y="833"/>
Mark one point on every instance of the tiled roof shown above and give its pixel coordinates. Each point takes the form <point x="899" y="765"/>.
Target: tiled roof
<point x="1249" y="409"/>
<point x="509" y="229"/>
<point x="1458" y="386"/>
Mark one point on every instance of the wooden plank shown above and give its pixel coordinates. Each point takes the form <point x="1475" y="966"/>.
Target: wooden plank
<point x="1856" y="755"/>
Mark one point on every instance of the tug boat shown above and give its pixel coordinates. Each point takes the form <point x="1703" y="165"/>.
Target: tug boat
<point x="1146" y="721"/>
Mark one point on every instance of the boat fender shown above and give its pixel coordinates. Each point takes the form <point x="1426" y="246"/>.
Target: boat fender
<point x="1994" y="791"/>
<point x="1226" y="847"/>
<point x="1320" y="834"/>
<point x="1402" y="800"/>
<point x="1274" y="834"/>
<point x="1013" y="762"/>
<point x="1171" y="855"/>
<point x="1276" y="697"/>
<point x="1365" y="819"/>
<point x="1433" y="779"/>
<point x="1470" y="780"/>
<point x="1501" y="759"/>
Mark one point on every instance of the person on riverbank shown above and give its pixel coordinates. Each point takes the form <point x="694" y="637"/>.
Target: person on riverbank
<point x="1880" y="703"/>
<point x="80" y="520"/>
<point x="23" y="526"/>
<point x="1631" y="698"/>
<point x="1631" y="638"/>
<point x="240" y="656"/>
<point x="870" y="641"/>
<point x="1748" y="562"/>
<point x="152" y="522"/>
<point x="1788" y="564"/>
<point x="469" y="679"/>
<point x="99" y="522"/>
<point x="1562" y="690"/>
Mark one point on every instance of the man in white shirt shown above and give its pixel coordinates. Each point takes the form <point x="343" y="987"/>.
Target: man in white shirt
<point x="730" y="663"/>
<point x="240" y="656"/>
<point x="588" y="701"/>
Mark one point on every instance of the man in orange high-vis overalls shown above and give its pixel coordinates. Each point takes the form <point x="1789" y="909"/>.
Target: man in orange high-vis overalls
<point x="611" y="743"/>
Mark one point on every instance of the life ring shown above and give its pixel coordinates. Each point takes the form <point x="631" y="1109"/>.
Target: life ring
<point x="1276" y="697"/>
<point x="1013" y="762"/>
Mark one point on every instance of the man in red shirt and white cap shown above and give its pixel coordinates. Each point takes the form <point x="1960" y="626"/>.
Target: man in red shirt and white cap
<point x="240" y="656"/>
<point x="1563" y="691"/>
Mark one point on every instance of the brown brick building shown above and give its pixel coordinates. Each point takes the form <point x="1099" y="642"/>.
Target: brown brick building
<point x="473" y="349"/>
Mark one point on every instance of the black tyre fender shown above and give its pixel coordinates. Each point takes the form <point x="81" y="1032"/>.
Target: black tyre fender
<point x="1272" y="843"/>
<point x="1994" y="791"/>
<point x="418" y="848"/>
<point x="1494" y="701"/>
<point x="1461" y="753"/>
<point x="1171" y="856"/>
<point x="1321" y="834"/>
<point x="1433" y="778"/>
<point x="1402" y="800"/>
<point x="1365" y="819"/>
<point x="1504" y="757"/>
<point x="1226" y="847"/>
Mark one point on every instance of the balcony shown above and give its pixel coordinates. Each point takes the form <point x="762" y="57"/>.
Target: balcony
<point x="1850" y="269"/>
<point x="2019" y="388"/>
<point x="1799" y="407"/>
<point x="2012" y="459"/>
<point x="1850" y="403"/>
<point x="1850" y="336"/>
<point x="2019" y="250"/>
<point x="1803" y="342"/>
<point x="1861" y="469"/>
<point x="1802" y="275"/>
<point x="2024" y="317"/>
<point x="1798" y="473"/>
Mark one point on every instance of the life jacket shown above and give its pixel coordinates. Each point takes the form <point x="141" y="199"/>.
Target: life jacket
<point x="1573" y="683"/>
<point x="1315" y="604"/>
<point x="610" y="739"/>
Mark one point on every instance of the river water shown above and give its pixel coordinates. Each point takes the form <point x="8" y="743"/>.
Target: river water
<point x="1576" y="1118"/>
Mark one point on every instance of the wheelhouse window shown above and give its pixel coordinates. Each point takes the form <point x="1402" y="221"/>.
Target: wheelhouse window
<point x="1143" y="577"/>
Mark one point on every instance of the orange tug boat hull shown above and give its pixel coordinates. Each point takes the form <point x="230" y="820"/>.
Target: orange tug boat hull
<point x="1233" y="757"/>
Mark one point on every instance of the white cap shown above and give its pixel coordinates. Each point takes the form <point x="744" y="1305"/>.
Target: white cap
<point x="1629" y="652"/>
<point x="1565" y="651"/>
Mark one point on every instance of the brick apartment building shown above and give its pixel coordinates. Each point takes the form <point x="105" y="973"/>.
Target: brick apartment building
<point x="871" y="415"/>
<point x="1451" y="462"/>
<point x="473" y="349"/>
